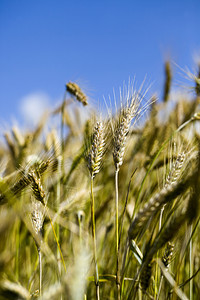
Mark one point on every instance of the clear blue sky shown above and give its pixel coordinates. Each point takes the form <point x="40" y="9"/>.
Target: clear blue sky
<point x="100" y="44"/>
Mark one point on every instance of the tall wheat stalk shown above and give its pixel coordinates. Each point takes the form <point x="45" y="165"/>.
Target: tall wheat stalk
<point x="38" y="218"/>
<point x="93" y="162"/>
<point x="128" y="112"/>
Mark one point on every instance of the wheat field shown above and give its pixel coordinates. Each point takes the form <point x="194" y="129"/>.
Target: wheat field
<point x="105" y="204"/>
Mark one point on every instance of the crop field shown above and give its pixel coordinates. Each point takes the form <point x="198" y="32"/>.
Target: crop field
<point x="105" y="204"/>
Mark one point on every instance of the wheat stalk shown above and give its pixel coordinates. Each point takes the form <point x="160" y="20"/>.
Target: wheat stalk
<point x="93" y="159"/>
<point x="40" y="196"/>
<point x="126" y="115"/>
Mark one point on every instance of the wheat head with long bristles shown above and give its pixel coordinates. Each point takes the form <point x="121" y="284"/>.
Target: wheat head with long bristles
<point x="97" y="149"/>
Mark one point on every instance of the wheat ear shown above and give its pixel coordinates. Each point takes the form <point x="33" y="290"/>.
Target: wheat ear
<point x="173" y="176"/>
<point x="167" y="194"/>
<point x="97" y="149"/>
<point x="126" y="116"/>
<point x="94" y="162"/>
<point x="168" y="79"/>
<point x="175" y="172"/>
<point x="76" y="91"/>
<point x="40" y="196"/>
<point x="25" y="180"/>
<point x="120" y="135"/>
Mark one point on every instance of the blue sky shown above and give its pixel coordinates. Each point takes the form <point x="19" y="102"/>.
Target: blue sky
<point x="99" y="44"/>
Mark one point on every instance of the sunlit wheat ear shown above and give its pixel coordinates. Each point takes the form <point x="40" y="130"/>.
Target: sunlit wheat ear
<point x="21" y="184"/>
<point x="37" y="188"/>
<point x="129" y="111"/>
<point x="166" y="195"/>
<point x="76" y="91"/>
<point x="175" y="172"/>
<point x="28" y="177"/>
<point x="120" y="136"/>
<point x="43" y="166"/>
<point x="97" y="149"/>
<point x="171" y="188"/>
<point x="17" y="188"/>
<point x="37" y="217"/>
<point x="94" y="153"/>
<point x="34" y="162"/>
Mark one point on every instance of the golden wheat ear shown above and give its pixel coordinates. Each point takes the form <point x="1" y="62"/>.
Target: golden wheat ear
<point x="168" y="79"/>
<point x="97" y="149"/>
<point x="131" y="110"/>
<point x="120" y="136"/>
<point x="37" y="188"/>
<point x="76" y="91"/>
<point x="166" y="195"/>
<point x="37" y="217"/>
